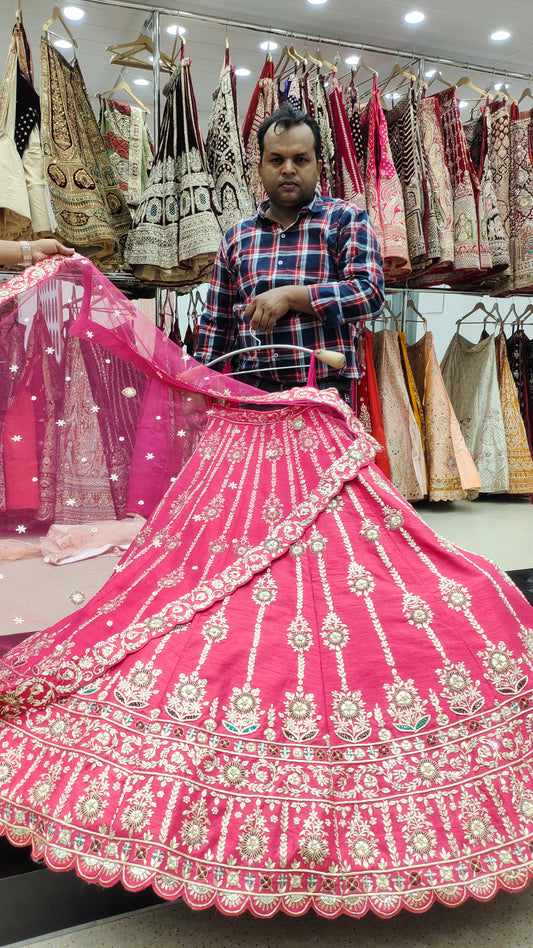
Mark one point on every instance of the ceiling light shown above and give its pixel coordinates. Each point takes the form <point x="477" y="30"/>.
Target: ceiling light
<point x="498" y="86"/>
<point x="73" y="13"/>
<point x="242" y="71"/>
<point x="430" y="73"/>
<point x="352" y="60"/>
<point x="463" y="104"/>
<point x="317" y="3"/>
<point x="416" y="16"/>
<point x="141" y="82"/>
<point x="268" y="46"/>
<point x="175" y="28"/>
<point x="499" y="35"/>
<point x="62" y="44"/>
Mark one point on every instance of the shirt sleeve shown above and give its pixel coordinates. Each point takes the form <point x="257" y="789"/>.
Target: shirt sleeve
<point x="216" y="325"/>
<point x="358" y="293"/>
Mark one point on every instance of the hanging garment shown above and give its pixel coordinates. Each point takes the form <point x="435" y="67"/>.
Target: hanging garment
<point x="406" y="149"/>
<point x="263" y="103"/>
<point x="225" y="154"/>
<point x="518" y="452"/>
<point x="478" y="134"/>
<point x="292" y="91"/>
<point x="23" y="202"/>
<point x="126" y="137"/>
<point x="12" y="360"/>
<point x="353" y="111"/>
<point x="499" y="158"/>
<point x="440" y="191"/>
<point x="522" y="202"/>
<point x="291" y="694"/>
<point x="471" y="250"/>
<point x="470" y="377"/>
<point x="176" y="229"/>
<point x="365" y="399"/>
<point x="348" y="183"/>
<point x="412" y="392"/>
<point x="383" y="191"/>
<point x="452" y="474"/>
<point x="518" y="346"/>
<point x="402" y="435"/>
<point x="320" y="113"/>
<point x="91" y="213"/>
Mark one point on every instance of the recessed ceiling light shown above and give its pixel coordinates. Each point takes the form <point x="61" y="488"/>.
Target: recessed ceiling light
<point x="73" y="13"/>
<point x="242" y="71"/>
<point x="62" y="44"/>
<point x="141" y="82"/>
<point x="175" y="28"/>
<point x="430" y="73"/>
<point x="499" y="35"/>
<point x="268" y="46"/>
<point x="352" y="60"/>
<point x="498" y="86"/>
<point x="463" y="104"/>
<point x="317" y="3"/>
<point x="416" y="16"/>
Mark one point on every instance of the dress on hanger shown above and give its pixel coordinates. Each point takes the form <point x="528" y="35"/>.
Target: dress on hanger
<point x="348" y="182"/>
<point x="440" y="191"/>
<point x="291" y="694"/>
<point x="128" y="144"/>
<point x="452" y="474"/>
<point x="471" y="251"/>
<point x="518" y="452"/>
<point x="263" y="103"/>
<point x="353" y="111"/>
<point x="518" y="346"/>
<point x="478" y="134"/>
<point x="402" y="434"/>
<point x="499" y="158"/>
<point x="470" y="376"/>
<point x="406" y="148"/>
<point x="522" y="201"/>
<point x="23" y="205"/>
<point x="91" y="213"/>
<point x="384" y="199"/>
<point x="321" y="114"/>
<point x="226" y="158"/>
<point x="365" y="399"/>
<point x="176" y="228"/>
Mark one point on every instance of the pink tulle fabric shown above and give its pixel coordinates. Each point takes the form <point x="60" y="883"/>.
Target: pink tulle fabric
<point x="291" y="694"/>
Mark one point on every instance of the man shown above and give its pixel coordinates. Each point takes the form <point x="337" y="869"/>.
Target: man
<point x="301" y="271"/>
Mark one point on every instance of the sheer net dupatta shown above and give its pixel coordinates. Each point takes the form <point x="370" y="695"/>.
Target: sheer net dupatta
<point x="100" y="410"/>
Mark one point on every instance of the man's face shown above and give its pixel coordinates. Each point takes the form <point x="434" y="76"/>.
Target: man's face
<point x="289" y="169"/>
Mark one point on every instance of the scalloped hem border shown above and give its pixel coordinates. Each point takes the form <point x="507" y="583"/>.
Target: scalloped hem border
<point x="199" y="896"/>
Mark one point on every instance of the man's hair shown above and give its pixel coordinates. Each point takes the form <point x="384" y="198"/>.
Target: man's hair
<point x="284" y="118"/>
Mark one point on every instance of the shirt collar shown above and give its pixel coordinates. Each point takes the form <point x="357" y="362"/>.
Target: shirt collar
<point x="313" y="207"/>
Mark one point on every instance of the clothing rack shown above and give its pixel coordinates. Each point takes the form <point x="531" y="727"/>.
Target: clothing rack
<point x="310" y="38"/>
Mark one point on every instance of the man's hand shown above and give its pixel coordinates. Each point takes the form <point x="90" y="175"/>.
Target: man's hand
<point x="265" y="310"/>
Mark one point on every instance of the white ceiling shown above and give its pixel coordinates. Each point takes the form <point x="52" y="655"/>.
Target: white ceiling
<point x="457" y="30"/>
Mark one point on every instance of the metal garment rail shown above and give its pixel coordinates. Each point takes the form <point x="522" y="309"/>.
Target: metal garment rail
<point x="311" y="38"/>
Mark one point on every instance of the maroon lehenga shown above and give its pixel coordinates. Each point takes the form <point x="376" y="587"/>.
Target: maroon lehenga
<point x="291" y="694"/>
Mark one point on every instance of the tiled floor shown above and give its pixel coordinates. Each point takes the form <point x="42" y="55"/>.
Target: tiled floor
<point x="501" y="529"/>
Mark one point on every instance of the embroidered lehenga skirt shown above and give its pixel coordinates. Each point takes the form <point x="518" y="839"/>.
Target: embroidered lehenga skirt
<point x="291" y="694"/>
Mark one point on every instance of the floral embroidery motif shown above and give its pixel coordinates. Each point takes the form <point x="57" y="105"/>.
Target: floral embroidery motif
<point x="463" y="695"/>
<point x="187" y="700"/>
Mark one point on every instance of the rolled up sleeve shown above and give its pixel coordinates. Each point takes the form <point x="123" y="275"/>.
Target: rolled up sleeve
<point x="358" y="293"/>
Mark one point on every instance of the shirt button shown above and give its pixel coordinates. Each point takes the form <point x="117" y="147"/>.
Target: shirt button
<point x="282" y="236"/>
<point x="280" y="263"/>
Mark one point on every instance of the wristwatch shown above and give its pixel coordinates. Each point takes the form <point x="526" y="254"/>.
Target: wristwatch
<point x="27" y="258"/>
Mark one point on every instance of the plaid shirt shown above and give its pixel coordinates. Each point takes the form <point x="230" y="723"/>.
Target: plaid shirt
<point x="332" y="249"/>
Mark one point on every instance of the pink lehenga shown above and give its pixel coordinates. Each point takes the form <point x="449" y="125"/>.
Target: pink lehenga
<point x="291" y="694"/>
